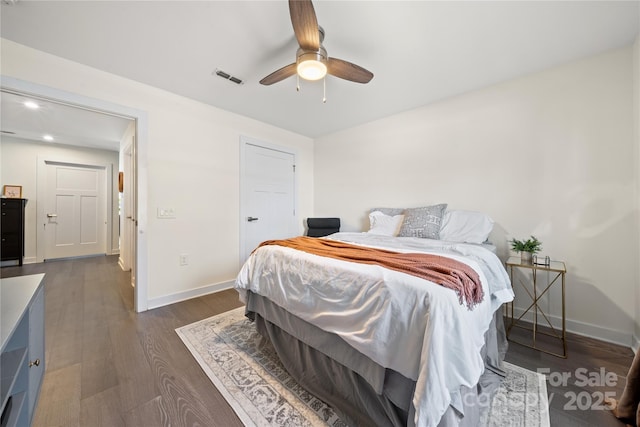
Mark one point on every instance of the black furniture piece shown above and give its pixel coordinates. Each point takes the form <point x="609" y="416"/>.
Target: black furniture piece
<point x="319" y="227"/>
<point x="12" y="229"/>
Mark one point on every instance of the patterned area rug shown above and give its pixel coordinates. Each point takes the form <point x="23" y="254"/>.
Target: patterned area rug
<point x="248" y="373"/>
<point x="521" y="400"/>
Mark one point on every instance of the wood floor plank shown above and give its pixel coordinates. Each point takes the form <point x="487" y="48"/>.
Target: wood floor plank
<point x="98" y="374"/>
<point x="148" y="414"/>
<point x="107" y="366"/>
<point x="180" y="402"/>
<point x="59" y="402"/>
<point x="131" y="366"/>
<point x="102" y="409"/>
<point x="66" y="344"/>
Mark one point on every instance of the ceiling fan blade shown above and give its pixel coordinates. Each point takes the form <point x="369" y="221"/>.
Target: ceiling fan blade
<point x="305" y="24"/>
<point x="278" y="75"/>
<point x="348" y="71"/>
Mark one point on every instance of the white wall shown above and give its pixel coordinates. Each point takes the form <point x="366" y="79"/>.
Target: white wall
<point x="549" y="154"/>
<point x="19" y="165"/>
<point x="192" y="166"/>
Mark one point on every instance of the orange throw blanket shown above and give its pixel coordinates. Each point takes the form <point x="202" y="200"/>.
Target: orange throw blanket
<point x="438" y="269"/>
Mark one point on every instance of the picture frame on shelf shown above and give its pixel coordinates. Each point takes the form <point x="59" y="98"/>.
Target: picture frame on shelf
<point x="542" y="260"/>
<point x="12" y="191"/>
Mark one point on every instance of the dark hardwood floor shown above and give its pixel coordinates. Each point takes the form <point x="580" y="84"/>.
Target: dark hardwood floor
<point x="108" y="366"/>
<point x="577" y="385"/>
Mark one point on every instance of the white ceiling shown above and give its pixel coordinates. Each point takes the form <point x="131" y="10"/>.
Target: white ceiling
<point x="68" y="125"/>
<point x="419" y="51"/>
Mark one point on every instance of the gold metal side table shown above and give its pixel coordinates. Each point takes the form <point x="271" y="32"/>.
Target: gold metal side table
<point x="559" y="270"/>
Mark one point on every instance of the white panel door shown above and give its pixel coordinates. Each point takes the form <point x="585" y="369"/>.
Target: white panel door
<point x="269" y="196"/>
<point x="75" y="211"/>
<point x="131" y="222"/>
<point x="127" y="212"/>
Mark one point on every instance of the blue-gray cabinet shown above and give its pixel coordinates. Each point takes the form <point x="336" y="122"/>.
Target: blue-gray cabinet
<point x="22" y="355"/>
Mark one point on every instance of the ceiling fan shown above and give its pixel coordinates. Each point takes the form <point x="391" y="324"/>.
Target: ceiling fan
<point x="312" y="62"/>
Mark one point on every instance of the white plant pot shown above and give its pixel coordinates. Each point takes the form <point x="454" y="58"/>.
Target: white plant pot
<point x="526" y="257"/>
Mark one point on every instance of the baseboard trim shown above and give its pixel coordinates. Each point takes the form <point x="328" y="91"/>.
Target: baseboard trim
<point x="635" y="345"/>
<point x="191" y="293"/>
<point x="15" y="263"/>
<point x="584" y="329"/>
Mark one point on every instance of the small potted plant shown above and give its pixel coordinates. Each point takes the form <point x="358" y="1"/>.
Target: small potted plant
<point x="526" y="248"/>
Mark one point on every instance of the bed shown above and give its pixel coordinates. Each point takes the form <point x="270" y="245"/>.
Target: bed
<point x="382" y="346"/>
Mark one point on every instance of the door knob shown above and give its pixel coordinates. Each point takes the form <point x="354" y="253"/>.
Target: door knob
<point x="52" y="215"/>
<point x="251" y="218"/>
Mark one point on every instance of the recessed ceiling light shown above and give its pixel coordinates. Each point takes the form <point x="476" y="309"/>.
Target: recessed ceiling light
<point x="32" y="105"/>
<point x="47" y="138"/>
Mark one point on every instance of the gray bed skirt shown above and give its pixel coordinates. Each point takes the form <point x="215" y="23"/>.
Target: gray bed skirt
<point x="362" y="392"/>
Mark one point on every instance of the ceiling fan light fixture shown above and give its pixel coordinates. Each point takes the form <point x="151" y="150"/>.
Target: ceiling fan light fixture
<point x="312" y="62"/>
<point x="312" y="65"/>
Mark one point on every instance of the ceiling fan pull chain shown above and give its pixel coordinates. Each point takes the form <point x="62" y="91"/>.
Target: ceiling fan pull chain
<point x="324" y="90"/>
<point x="297" y="83"/>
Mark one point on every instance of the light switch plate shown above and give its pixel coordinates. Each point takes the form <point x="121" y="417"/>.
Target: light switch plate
<point x="184" y="259"/>
<point x="166" y="213"/>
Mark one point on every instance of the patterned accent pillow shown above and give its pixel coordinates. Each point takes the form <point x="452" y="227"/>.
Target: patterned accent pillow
<point x="423" y="222"/>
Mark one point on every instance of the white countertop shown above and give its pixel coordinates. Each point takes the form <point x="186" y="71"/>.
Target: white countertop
<point x="15" y="295"/>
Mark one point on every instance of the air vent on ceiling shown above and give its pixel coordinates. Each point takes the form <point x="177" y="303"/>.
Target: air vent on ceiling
<point x="228" y="76"/>
<point x="10" y="2"/>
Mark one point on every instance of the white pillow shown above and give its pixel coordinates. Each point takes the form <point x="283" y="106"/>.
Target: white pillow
<point x="385" y="225"/>
<point x="465" y="226"/>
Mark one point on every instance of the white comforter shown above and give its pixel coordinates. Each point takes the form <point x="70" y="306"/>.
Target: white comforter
<point x="402" y="322"/>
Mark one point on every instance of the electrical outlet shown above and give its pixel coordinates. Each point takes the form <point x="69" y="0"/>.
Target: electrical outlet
<point x="184" y="259"/>
<point x="166" y="213"/>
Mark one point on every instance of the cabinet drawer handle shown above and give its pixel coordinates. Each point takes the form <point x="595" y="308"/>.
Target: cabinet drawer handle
<point x="35" y="363"/>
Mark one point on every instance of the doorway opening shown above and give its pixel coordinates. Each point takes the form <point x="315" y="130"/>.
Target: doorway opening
<point x="136" y="145"/>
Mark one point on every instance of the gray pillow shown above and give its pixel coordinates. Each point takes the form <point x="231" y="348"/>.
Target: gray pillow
<point x="423" y="222"/>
